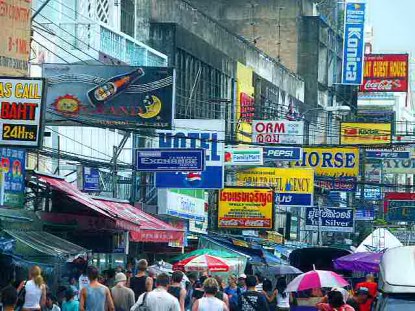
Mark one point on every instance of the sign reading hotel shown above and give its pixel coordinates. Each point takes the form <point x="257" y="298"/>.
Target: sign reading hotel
<point x="15" y="24"/>
<point x="365" y="133"/>
<point x="21" y="112"/>
<point x="246" y="208"/>
<point x="385" y="73"/>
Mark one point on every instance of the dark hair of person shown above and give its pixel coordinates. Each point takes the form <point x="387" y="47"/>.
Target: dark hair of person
<point x="162" y="280"/>
<point x="335" y="299"/>
<point x="251" y="281"/>
<point x="192" y="276"/>
<point x="177" y="276"/>
<point x="202" y="279"/>
<point x="260" y="277"/>
<point x="210" y="286"/>
<point x="69" y="294"/>
<point x="111" y="273"/>
<point x="92" y="273"/>
<point x="9" y="296"/>
<point x="51" y="297"/>
<point x="267" y="285"/>
<point x="281" y="287"/>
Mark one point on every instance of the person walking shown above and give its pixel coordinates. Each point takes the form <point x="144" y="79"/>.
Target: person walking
<point x="209" y="302"/>
<point x="283" y="298"/>
<point x="9" y="298"/>
<point x="141" y="282"/>
<point x="95" y="296"/>
<point x="269" y="294"/>
<point x="158" y="299"/>
<point x="35" y="288"/>
<point x="176" y="289"/>
<point x="70" y="303"/>
<point x="334" y="301"/>
<point x="221" y="295"/>
<point x="123" y="296"/>
<point x="251" y="300"/>
<point x="233" y="292"/>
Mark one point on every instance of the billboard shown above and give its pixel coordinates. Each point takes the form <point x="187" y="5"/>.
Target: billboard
<point x="110" y="96"/>
<point x="278" y="132"/>
<point x="183" y="203"/>
<point x="385" y="73"/>
<point x="15" y="21"/>
<point x="21" y="111"/>
<point x="353" y="45"/>
<point x="365" y="133"/>
<point x="12" y="177"/>
<point x="193" y="133"/>
<point x="244" y="156"/>
<point x="329" y="219"/>
<point x="246" y="208"/>
<point x="245" y="102"/>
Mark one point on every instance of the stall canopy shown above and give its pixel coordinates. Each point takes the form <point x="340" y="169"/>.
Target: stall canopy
<point x="151" y="229"/>
<point x="379" y="240"/>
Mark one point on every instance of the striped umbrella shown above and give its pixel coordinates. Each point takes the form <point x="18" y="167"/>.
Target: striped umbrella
<point x="202" y="263"/>
<point x="316" y="279"/>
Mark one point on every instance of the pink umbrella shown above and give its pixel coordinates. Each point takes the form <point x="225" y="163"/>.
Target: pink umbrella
<point x="316" y="279"/>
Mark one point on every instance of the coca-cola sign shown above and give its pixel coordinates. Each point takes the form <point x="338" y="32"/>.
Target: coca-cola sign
<point x="385" y="73"/>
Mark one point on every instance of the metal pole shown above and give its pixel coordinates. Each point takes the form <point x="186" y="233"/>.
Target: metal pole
<point x="40" y="9"/>
<point x="114" y="172"/>
<point x="319" y="238"/>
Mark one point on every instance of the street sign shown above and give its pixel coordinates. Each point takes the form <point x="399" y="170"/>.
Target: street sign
<point x="383" y="154"/>
<point x="282" y="153"/>
<point x="170" y="160"/>
<point x="293" y="199"/>
<point x="90" y="179"/>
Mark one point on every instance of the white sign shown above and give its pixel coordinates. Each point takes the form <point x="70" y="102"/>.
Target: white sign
<point x="278" y="132"/>
<point x="199" y="226"/>
<point x="244" y="156"/>
<point x="181" y="205"/>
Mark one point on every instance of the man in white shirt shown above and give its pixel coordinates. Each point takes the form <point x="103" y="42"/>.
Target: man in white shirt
<point x="158" y="299"/>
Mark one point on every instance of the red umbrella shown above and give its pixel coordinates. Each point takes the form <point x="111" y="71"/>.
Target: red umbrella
<point x="202" y="263"/>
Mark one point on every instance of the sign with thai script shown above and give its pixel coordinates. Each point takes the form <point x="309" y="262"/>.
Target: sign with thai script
<point x="385" y="73"/>
<point x="246" y="208"/>
<point x="365" y="133"/>
<point x="329" y="219"/>
<point x="15" y="21"/>
<point x="385" y="154"/>
<point x="194" y="133"/>
<point x="244" y="156"/>
<point x="353" y="46"/>
<point x="170" y="160"/>
<point x="245" y="102"/>
<point x="21" y="111"/>
<point x="278" y="132"/>
<point x="282" y="153"/>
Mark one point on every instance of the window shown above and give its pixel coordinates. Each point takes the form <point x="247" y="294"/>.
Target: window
<point x="128" y="17"/>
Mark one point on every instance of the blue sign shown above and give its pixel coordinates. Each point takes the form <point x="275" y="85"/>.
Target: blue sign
<point x="91" y="179"/>
<point x="170" y="160"/>
<point x="13" y="165"/>
<point x="282" y="153"/>
<point x="372" y="193"/>
<point x="329" y="219"/>
<point x="345" y="184"/>
<point x="204" y="134"/>
<point x="401" y="211"/>
<point x="293" y="199"/>
<point x="365" y="214"/>
<point x="353" y="46"/>
<point x="383" y="154"/>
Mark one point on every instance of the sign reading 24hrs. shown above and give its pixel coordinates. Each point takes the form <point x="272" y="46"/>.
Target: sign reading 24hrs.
<point x="21" y="111"/>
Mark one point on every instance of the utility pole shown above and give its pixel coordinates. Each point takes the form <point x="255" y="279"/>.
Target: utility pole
<point x="114" y="172"/>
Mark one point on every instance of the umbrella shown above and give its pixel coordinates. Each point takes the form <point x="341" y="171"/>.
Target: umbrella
<point x="316" y="279"/>
<point x="284" y="270"/>
<point x="363" y="262"/>
<point x="205" y="251"/>
<point x="202" y="263"/>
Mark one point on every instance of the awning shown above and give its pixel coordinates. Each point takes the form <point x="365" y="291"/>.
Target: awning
<point x="71" y="191"/>
<point x="48" y="244"/>
<point x="151" y="229"/>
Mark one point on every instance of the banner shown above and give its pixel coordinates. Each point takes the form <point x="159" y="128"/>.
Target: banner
<point x="244" y="156"/>
<point x="385" y="73"/>
<point x="278" y="132"/>
<point x="13" y="177"/>
<point x="193" y="133"/>
<point x="399" y="166"/>
<point x="21" y="111"/>
<point x="110" y="96"/>
<point x="15" y="21"/>
<point x="329" y="219"/>
<point x="245" y="103"/>
<point x="365" y="133"/>
<point x="183" y="203"/>
<point x="353" y="46"/>
<point x="246" y="208"/>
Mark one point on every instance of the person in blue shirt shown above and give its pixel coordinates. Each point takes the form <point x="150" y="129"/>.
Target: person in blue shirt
<point x="233" y="292"/>
<point x="70" y="303"/>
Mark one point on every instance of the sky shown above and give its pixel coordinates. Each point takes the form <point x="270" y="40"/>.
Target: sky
<point x="393" y="23"/>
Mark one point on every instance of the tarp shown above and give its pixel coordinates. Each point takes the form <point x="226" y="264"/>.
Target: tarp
<point x="378" y="241"/>
<point x="362" y="262"/>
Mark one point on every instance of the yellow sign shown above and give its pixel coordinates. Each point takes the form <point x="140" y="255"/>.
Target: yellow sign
<point x="331" y="162"/>
<point x="15" y="43"/>
<point x="246" y="208"/>
<point x="245" y="103"/>
<point x="281" y="180"/>
<point x="365" y="133"/>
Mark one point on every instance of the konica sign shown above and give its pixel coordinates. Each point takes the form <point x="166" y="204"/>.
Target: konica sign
<point x="353" y="48"/>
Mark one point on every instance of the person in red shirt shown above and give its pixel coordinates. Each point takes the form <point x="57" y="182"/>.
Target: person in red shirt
<point x="372" y="288"/>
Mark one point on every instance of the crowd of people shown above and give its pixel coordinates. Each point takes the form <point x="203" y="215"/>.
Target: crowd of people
<point x="143" y="291"/>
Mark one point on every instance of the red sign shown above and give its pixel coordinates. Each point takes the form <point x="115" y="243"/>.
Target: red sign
<point x="385" y="73"/>
<point x="247" y="107"/>
<point x="397" y="196"/>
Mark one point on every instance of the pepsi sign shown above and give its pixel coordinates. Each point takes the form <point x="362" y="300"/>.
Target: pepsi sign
<point x="282" y="153"/>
